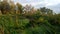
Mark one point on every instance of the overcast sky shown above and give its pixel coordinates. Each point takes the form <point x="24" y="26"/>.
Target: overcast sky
<point x="53" y="4"/>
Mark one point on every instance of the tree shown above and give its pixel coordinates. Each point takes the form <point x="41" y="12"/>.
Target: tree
<point x="19" y="8"/>
<point x="4" y="7"/>
<point x="45" y="10"/>
<point x="27" y="9"/>
<point x="12" y="7"/>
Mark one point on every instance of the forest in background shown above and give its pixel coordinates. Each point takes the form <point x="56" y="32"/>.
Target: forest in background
<point x="18" y="19"/>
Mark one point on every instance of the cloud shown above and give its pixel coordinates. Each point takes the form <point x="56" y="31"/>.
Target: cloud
<point x="32" y="2"/>
<point x="37" y="2"/>
<point x="56" y="8"/>
<point x="54" y="5"/>
<point x="51" y="2"/>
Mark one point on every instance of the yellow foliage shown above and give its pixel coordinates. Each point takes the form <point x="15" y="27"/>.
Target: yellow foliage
<point x="41" y="19"/>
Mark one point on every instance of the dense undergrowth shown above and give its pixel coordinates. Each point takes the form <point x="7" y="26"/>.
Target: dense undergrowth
<point x="35" y="24"/>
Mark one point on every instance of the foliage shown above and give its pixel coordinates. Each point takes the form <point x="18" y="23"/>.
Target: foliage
<point x="16" y="19"/>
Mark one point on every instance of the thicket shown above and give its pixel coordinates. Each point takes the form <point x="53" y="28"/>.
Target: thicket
<point x="16" y="19"/>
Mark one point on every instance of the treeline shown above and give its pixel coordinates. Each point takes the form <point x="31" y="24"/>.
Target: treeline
<point x="9" y="7"/>
<point x="27" y="19"/>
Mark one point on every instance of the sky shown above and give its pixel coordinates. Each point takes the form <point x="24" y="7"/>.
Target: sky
<point x="52" y="4"/>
